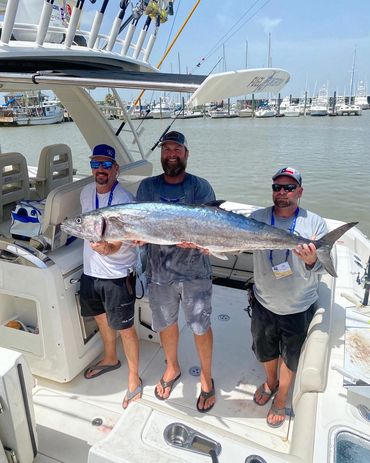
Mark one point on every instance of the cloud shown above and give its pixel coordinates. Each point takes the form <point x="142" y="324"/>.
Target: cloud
<point x="269" y="24"/>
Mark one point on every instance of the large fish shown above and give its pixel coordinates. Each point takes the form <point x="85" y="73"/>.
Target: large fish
<point x="213" y="228"/>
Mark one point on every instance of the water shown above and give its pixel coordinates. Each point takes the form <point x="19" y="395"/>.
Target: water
<point x="239" y="156"/>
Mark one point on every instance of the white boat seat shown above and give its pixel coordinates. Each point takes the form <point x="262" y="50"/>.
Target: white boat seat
<point x="313" y="363"/>
<point x="61" y="203"/>
<point x="55" y="168"/>
<point x="14" y="181"/>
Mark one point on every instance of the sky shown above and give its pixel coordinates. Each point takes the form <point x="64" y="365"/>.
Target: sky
<point x="315" y="41"/>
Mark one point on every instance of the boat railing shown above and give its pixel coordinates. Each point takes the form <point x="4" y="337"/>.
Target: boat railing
<point x="59" y="37"/>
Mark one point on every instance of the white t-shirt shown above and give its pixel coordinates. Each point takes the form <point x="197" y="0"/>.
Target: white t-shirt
<point x="115" y="265"/>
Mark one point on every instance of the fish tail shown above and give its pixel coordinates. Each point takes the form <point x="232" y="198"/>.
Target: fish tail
<point x="325" y="244"/>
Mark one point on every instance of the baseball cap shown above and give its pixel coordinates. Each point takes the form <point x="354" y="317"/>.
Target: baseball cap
<point x="176" y="137"/>
<point x="289" y="172"/>
<point x="104" y="150"/>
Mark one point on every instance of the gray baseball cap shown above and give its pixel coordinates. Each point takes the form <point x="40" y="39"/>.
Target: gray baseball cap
<point x="289" y="172"/>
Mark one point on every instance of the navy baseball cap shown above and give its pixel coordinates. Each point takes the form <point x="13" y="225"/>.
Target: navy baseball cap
<point x="105" y="151"/>
<point x="289" y="172"/>
<point x="176" y="137"/>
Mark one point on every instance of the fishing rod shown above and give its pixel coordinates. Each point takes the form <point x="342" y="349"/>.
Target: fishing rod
<point x="367" y="284"/>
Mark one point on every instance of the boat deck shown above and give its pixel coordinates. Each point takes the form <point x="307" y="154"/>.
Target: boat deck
<point x="71" y="406"/>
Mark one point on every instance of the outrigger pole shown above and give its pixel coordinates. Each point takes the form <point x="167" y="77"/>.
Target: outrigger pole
<point x="171" y="44"/>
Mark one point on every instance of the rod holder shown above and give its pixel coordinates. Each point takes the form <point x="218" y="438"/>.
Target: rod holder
<point x="183" y="437"/>
<point x="95" y="29"/>
<point x="9" y="20"/>
<point x="44" y="23"/>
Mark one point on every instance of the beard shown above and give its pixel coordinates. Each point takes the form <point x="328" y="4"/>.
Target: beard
<point x="101" y="178"/>
<point x="173" y="169"/>
<point x="283" y="202"/>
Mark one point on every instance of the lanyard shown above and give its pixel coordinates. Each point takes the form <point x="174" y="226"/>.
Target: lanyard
<point x="110" y="199"/>
<point x="291" y="231"/>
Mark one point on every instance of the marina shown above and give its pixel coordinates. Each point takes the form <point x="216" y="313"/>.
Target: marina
<point x="49" y="411"/>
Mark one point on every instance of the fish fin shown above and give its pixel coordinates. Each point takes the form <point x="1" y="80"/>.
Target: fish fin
<point x="219" y="255"/>
<point x="215" y="203"/>
<point x="324" y="245"/>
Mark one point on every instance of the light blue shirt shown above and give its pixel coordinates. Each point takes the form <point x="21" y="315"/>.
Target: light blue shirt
<point x="297" y="292"/>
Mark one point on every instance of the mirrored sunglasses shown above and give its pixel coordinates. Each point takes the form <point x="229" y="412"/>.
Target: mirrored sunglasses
<point x="105" y="164"/>
<point x="276" y="187"/>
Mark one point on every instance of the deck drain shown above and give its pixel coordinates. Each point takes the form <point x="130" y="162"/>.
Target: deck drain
<point x="194" y="371"/>
<point x="254" y="459"/>
<point x="364" y="412"/>
<point x="97" y="422"/>
<point x="223" y="317"/>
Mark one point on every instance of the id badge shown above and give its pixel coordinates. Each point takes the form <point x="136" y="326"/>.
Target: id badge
<point x="282" y="270"/>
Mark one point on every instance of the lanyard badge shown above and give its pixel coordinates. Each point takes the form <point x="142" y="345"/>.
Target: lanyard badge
<point x="283" y="270"/>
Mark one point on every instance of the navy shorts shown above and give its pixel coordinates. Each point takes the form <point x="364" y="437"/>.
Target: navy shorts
<point x="279" y="335"/>
<point x="114" y="297"/>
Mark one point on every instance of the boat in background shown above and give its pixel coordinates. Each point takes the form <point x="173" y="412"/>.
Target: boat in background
<point x="361" y="99"/>
<point x="320" y="104"/>
<point x="264" y="111"/>
<point x="31" y="108"/>
<point x="246" y="112"/>
<point x="163" y="109"/>
<point x="292" y="110"/>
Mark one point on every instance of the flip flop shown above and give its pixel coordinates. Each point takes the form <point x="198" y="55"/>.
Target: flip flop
<point x="101" y="369"/>
<point x="166" y="384"/>
<point x="130" y="395"/>
<point x="276" y="411"/>
<point x="268" y="395"/>
<point x="205" y="396"/>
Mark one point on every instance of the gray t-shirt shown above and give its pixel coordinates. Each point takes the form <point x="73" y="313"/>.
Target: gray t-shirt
<point x="297" y="292"/>
<point x="166" y="264"/>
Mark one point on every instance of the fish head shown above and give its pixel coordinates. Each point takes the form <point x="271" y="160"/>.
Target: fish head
<point x="86" y="226"/>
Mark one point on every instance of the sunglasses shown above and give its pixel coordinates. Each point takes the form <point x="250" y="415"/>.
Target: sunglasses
<point x="276" y="187"/>
<point x="105" y="164"/>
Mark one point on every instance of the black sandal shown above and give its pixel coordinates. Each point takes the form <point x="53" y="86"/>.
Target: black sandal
<point x="205" y="396"/>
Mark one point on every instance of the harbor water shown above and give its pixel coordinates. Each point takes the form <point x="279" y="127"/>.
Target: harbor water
<point x="238" y="156"/>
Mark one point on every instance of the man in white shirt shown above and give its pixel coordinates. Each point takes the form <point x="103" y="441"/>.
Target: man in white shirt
<point x="107" y="290"/>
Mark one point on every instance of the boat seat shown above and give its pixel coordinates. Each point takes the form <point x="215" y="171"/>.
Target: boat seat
<point x="313" y="363"/>
<point x="61" y="203"/>
<point x="55" y="168"/>
<point x="14" y="181"/>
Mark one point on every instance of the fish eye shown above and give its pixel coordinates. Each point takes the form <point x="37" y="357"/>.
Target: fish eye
<point x="78" y="220"/>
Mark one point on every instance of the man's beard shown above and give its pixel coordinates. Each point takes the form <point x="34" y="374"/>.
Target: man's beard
<point x="172" y="169"/>
<point x="101" y="178"/>
<point x="282" y="202"/>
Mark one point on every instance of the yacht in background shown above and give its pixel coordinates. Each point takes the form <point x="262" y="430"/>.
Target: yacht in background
<point x="320" y="104"/>
<point x="361" y="99"/>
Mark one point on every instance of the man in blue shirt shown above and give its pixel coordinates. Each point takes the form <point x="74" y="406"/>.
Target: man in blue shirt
<point x="180" y="273"/>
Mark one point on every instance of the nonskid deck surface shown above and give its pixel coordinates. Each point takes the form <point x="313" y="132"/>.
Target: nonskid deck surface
<point x="68" y="410"/>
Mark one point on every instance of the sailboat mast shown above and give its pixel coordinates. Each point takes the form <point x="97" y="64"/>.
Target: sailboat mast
<point x="352" y="77"/>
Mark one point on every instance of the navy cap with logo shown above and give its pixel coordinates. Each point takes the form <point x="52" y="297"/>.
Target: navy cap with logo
<point x="105" y="151"/>
<point x="289" y="172"/>
<point x="176" y="137"/>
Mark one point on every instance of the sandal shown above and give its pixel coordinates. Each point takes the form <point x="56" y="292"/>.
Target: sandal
<point x="265" y="394"/>
<point x="130" y="395"/>
<point x="205" y="396"/>
<point x="101" y="369"/>
<point x="165" y="385"/>
<point x="277" y="412"/>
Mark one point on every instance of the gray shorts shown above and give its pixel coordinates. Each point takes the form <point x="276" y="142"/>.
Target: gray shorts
<point x="195" y="297"/>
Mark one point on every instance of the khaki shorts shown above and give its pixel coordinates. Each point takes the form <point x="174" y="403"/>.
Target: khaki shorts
<point x="195" y="297"/>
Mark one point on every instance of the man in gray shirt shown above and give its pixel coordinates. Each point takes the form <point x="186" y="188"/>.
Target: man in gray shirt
<point x="180" y="273"/>
<point x="285" y="291"/>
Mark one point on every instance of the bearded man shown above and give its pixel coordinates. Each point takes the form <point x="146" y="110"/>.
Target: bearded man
<point x="180" y="273"/>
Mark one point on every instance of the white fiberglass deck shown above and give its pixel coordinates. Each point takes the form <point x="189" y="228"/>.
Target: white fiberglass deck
<point x="66" y="408"/>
